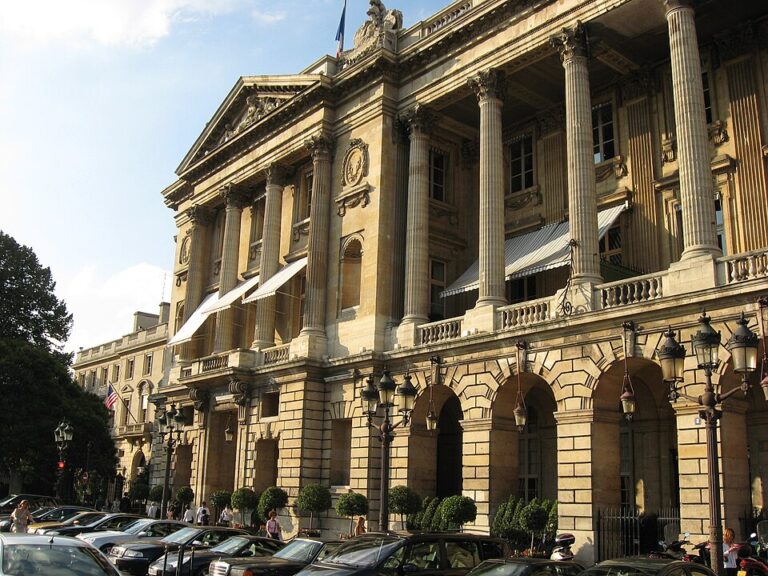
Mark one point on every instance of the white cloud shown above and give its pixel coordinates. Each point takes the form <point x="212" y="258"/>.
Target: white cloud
<point x="266" y="18"/>
<point x="103" y="307"/>
<point x="104" y="22"/>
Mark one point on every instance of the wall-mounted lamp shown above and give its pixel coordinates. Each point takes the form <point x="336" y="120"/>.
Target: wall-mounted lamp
<point x="431" y="414"/>
<point x="628" y="404"/>
<point x="229" y="434"/>
<point x="520" y="411"/>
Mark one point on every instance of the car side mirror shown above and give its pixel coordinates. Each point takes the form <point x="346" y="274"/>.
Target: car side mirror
<point x="197" y="543"/>
<point x="143" y="533"/>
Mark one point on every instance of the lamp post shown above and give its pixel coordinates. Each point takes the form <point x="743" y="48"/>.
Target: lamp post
<point x="383" y="396"/>
<point x="743" y="345"/>
<point x="172" y="420"/>
<point x="63" y="436"/>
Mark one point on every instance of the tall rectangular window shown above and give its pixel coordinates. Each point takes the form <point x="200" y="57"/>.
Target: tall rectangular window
<point x="603" y="132"/>
<point x="217" y="243"/>
<point x="521" y="289"/>
<point x="257" y="231"/>
<point x="610" y="245"/>
<point x="115" y="372"/>
<point x="341" y="451"/>
<point x="104" y="376"/>
<point x="720" y="223"/>
<point x="436" y="286"/>
<point x="129" y="364"/>
<point x="270" y="404"/>
<point x="438" y="168"/>
<point x="707" y="97"/>
<point x="148" y="363"/>
<point x="521" y="163"/>
<point x="125" y="412"/>
<point x="303" y="206"/>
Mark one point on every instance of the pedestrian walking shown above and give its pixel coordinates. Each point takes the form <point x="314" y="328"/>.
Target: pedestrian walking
<point x="203" y="515"/>
<point x="360" y="526"/>
<point x="189" y="516"/>
<point x="125" y="504"/>
<point x="21" y="517"/>
<point x="730" y="550"/>
<point x="226" y="516"/>
<point x="274" y="530"/>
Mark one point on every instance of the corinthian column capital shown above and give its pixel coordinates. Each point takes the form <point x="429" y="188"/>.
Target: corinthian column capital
<point x="199" y="215"/>
<point x="571" y="42"/>
<point x="233" y="196"/>
<point x="276" y="174"/>
<point x="487" y="84"/>
<point x="319" y="145"/>
<point x="419" y="118"/>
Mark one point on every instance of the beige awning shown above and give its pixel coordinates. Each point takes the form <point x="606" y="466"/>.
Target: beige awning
<point x="233" y="295"/>
<point x="193" y="323"/>
<point x="271" y="286"/>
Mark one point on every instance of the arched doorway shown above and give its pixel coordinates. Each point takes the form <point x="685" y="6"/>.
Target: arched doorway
<point x="220" y="469"/>
<point x="449" y="449"/>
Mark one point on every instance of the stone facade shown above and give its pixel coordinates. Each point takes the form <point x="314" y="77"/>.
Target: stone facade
<point x="445" y="158"/>
<point x="134" y="366"/>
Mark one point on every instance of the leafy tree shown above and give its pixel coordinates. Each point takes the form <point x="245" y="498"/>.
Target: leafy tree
<point x="272" y="498"/>
<point x="245" y="499"/>
<point x="220" y="500"/>
<point x="29" y="309"/>
<point x="352" y="504"/>
<point x="429" y="514"/>
<point x="534" y="519"/>
<point x="185" y="495"/>
<point x="457" y="510"/>
<point x="498" y="520"/>
<point x="138" y="491"/>
<point x="156" y="493"/>
<point x="314" y="498"/>
<point x="404" y="500"/>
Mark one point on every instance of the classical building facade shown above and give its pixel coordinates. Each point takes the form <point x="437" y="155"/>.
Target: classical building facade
<point x="555" y="181"/>
<point x="134" y="366"/>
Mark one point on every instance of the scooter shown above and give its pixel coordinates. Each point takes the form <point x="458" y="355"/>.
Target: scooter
<point x="562" y="550"/>
<point x="762" y="539"/>
<point x="748" y="565"/>
<point x="675" y="551"/>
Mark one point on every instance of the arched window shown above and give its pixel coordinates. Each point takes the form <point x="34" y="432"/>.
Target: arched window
<point x="351" y="261"/>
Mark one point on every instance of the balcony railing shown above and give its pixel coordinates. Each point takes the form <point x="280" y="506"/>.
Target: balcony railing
<point x="134" y="429"/>
<point x="525" y="313"/>
<point x="440" y="331"/>
<point x="214" y="363"/>
<point x="631" y="291"/>
<point x="745" y="266"/>
<point x="277" y="354"/>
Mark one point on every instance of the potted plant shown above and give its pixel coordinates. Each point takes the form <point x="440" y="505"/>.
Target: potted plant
<point x="404" y="501"/>
<point x="220" y="500"/>
<point x="244" y="499"/>
<point x="313" y="498"/>
<point x="273" y="498"/>
<point x="457" y="510"/>
<point x="350" y="505"/>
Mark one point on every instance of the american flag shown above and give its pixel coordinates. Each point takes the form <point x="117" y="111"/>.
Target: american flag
<point x="340" y="32"/>
<point x="111" y="398"/>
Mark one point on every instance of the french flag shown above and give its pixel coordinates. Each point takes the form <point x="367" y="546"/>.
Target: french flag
<point x="340" y="32"/>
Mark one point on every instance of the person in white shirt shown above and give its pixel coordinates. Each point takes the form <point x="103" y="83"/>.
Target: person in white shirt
<point x="203" y="515"/>
<point x="225" y="519"/>
<point x="189" y="516"/>
<point x="274" y="530"/>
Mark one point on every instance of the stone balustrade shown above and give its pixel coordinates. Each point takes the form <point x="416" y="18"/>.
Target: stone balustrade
<point x="441" y="331"/>
<point x="631" y="291"/>
<point x="743" y="267"/>
<point x="276" y="354"/>
<point x="214" y="363"/>
<point x="525" y="313"/>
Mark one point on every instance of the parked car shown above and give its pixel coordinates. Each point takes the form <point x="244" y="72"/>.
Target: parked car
<point x="135" y="556"/>
<point x="286" y="562"/>
<point x="646" y="567"/>
<point x="36" y="501"/>
<point x="45" y="514"/>
<point x="196" y="562"/>
<point x="527" y="567"/>
<point x="136" y="530"/>
<point x="82" y="517"/>
<point x="114" y="521"/>
<point x="445" y="554"/>
<point x="32" y="554"/>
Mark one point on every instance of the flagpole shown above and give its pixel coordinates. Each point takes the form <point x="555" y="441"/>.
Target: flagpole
<point x="114" y="389"/>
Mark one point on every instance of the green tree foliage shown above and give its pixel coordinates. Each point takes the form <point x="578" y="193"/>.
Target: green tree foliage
<point x="220" y="500"/>
<point x="185" y="495"/>
<point x="350" y="505"/>
<point x="273" y="498"/>
<point x="404" y="501"/>
<point x="534" y="519"/>
<point x="314" y="498"/>
<point x="29" y="310"/>
<point x="156" y="493"/>
<point x="244" y="499"/>
<point x="498" y="519"/>
<point x="138" y="491"/>
<point x="429" y="514"/>
<point x="516" y="521"/>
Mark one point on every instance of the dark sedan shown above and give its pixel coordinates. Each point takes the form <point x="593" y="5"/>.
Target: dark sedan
<point x="115" y="521"/>
<point x="288" y="561"/>
<point x="647" y="567"/>
<point x="196" y="562"/>
<point x="527" y="567"/>
<point x="134" y="557"/>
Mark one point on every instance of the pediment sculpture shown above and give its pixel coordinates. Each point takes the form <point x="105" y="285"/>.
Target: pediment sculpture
<point x="379" y="31"/>
<point x="256" y="108"/>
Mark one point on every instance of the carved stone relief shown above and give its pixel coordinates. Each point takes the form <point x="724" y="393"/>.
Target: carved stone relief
<point x="355" y="191"/>
<point x="379" y="31"/>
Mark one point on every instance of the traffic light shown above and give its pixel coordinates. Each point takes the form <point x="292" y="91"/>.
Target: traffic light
<point x="61" y="465"/>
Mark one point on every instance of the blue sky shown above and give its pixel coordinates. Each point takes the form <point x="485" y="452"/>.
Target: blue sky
<point x="99" y="102"/>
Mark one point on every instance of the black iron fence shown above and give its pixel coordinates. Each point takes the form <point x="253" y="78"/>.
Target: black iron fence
<point x="629" y="532"/>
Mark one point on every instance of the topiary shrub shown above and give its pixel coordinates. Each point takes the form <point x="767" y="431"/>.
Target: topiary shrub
<point x="498" y="520"/>
<point x="314" y="498"/>
<point x="429" y="514"/>
<point x="156" y="493"/>
<point x="350" y="505"/>
<point x="139" y="491"/>
<point x="185" y="495"/>
<point x="457" y="510"/>
<point x="220" y="500"/>
<point x="534" y="519"/>
<point x="273" y="498"/>
<point x="244" y="499"/>
<point x="404" y="501"/>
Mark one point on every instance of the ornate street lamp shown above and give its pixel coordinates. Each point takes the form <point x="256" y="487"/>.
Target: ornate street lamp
<point x="63" y="436"/>
<point x="383" y="396"/>
<point x="172" y="422"/>
<point x="743" y="346"/>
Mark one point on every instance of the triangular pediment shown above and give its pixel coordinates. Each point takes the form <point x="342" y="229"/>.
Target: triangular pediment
<point x="251" y="100"/>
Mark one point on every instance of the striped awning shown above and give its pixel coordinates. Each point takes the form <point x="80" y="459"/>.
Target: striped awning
<point x="193" y="323"/>
<point x="534" y="252"/>
<point x="271" y="286"/>
<point x="233" y="295"/>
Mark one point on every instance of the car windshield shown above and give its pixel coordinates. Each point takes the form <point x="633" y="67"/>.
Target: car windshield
<point x="182" y="536"/>
<point x="7" y="499"/>
<point x="230" y="545"/>
<point x="22" y="559"/>
<point x="363" y="552"/>
<point x="621" y="570"/>
<point x="135" y="526"/>
<point x="299" y="551"/>
<point x="82" y="518"/>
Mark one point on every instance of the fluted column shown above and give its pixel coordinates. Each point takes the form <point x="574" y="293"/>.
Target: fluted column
<point x="200" y="218"/>
<point x="270" y="255"/>
<point x="317" y="250"/>
<point x="696" y="191"/>
<point x="416" y="301"/>
<point x="582" y="191"/>
<point x="488" y="87"/>
<point x="233" y="212"/>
